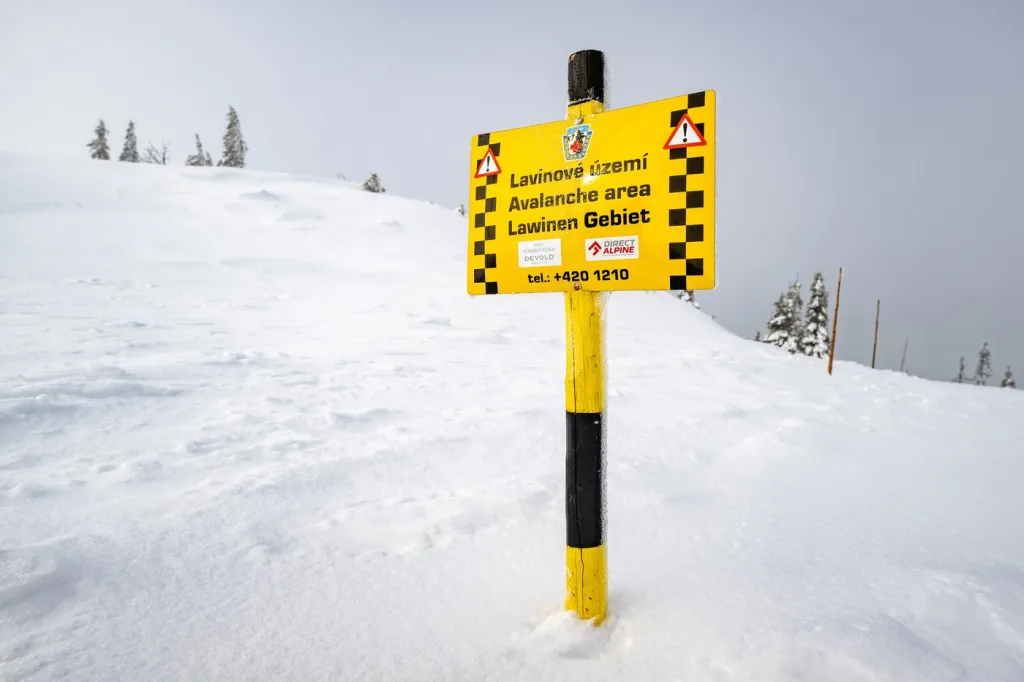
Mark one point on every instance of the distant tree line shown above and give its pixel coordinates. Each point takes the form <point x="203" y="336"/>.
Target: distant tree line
<point x="808" y="333"/>
<point x="983" y="370"/>
<point x="232" y="154"/>
<point x="233" y="150"/>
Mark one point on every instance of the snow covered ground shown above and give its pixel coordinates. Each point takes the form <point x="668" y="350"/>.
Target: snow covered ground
<point x="252" y="428"/>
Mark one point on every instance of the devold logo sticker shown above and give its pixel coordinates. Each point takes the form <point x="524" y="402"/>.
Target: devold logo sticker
<point x="540" y="253"/>
<point x="613" y="248"/>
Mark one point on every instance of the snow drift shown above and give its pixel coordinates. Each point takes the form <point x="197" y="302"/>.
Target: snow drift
<point x="252" y="428"/>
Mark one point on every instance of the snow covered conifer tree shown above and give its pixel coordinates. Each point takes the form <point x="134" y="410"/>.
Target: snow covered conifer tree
<point x="780" y="326"/>
<point x="233" y="154"/>
<point x="961" y="375"/>
<point x="796" y="305"/>
<point x="130" y="152"/>
<point x="784" y="328"/>
<point x="757" y="336"/>
<point x="687" y="295"/>
<point x="201" y="157"/>
<point x="1008" y="380"/>
<point x="814" y="336"/>
<point x="984" y="369"/>
<point x="372" y="184"/>
<point x="461" y="210"/>
<point x="100" y="148"/>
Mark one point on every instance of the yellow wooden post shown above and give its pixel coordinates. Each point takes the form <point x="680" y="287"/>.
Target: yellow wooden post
<point x="636" y="214"/>
<point x="586" y="558"/>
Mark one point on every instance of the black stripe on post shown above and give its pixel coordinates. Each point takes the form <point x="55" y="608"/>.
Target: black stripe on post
<point x="584" y="480"/>
<point x="586" y="76"/>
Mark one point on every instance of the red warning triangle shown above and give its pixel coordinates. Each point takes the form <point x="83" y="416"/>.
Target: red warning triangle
<point x="488" y="165"/>
<point x="685" y="134"/>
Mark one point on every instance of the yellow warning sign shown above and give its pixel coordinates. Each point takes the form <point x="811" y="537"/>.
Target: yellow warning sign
<point x="619" y="200"/>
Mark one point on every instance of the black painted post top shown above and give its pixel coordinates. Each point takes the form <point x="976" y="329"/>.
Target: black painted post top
<point x="586" y="76"/>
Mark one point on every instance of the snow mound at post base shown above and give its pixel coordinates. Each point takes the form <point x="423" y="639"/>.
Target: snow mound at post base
<point x="251" y="427"/>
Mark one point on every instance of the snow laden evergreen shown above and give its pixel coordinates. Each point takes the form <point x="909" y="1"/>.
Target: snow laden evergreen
<point x="99" y="147"/>
<point x="130" y="151"/>
<point x="687" y="295"/>
<point x="784" y="328"/>
<point x="961" y="375"/>
<point x="461" y="209"/>
<point x="757" y="336"/>
<point x="372" y="184"/>
<point x="201" y="157"/>
<point x="796" y="302"/>
<point x="814" y="336"/>
<point x="235" y="149"/>
<point x="1008" y="380"/>
<point x="984" y="368"/>
<point x="780" y="325"/>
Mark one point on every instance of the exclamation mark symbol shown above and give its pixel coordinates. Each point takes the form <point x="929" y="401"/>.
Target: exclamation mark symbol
<point x="487" y="163"/>
<point x="684" y="131"/>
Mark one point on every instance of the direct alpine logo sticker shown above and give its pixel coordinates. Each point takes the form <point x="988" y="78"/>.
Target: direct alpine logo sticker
<point x="613" y="248"/>
<point x="576" y="142"/>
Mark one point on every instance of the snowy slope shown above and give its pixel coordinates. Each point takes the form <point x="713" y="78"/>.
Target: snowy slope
<point x="252" y="428"/>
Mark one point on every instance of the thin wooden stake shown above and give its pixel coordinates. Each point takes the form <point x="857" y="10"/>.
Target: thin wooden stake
<point x="835" y="323"/>
<point x="874" y="348"/>
<point x="903" y="362"/>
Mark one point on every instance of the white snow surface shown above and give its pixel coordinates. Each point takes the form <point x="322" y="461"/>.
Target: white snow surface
<point x="253" y="428"/>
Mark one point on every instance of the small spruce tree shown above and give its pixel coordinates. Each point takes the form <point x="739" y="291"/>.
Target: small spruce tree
<point x="961" y="375"/>
<point x="235" y="148"/>
<point x="757" y="336"/>
<point x="201" y="157"/>
<point x="796" y="305"/>
<point x="461" y="210"/>
<point x="984" y="368"/>
<point x="372" y="184"/>
<point x="1008" y="380"/>
<point x="781" y="324"/>
<point x="687" y="295"/>
<point x="130" y="151"/>
<point x="814" y="337"/>
<point x="784" y="328"/>
<point x="99" y="147"/>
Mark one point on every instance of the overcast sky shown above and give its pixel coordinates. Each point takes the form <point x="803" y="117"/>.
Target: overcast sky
<point x="884" y="136"/>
